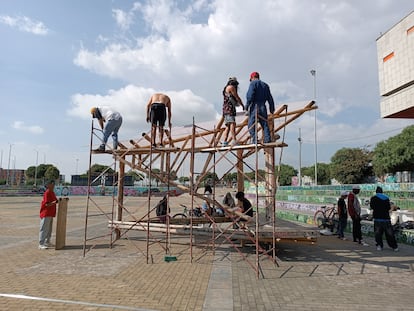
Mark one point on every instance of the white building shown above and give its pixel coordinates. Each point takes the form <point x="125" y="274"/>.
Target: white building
<point x="396" y="69"/>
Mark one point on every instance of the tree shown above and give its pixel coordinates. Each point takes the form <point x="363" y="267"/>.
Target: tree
<point x="52" y="173"/>
<point x="184" y="179"/>
<point x="324" y="173"/>
<point x="30" y="172"/>
<point x="135" y="176"/>
<point x="351" y="165"/>
<point x="210" y="178"/>
<point x="395" y="154"/>
<point x="229" y="178"/>
<point x="261" y="175"/>
<point x="286" y="174"/>
<point x="98" y="169"/>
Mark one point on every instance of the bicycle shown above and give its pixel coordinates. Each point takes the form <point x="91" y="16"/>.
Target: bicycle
<point x="195" y="212"/>
<point x="327" y="218"/>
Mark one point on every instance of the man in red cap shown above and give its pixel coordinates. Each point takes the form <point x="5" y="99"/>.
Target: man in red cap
<point x="257" y="96"/>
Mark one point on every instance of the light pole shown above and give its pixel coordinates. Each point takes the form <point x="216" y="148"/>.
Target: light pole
<point x="8" y="165"/>
<point x="37" y="159"/>
<point x="313" y="73"/>
<point x="300" y="159"/>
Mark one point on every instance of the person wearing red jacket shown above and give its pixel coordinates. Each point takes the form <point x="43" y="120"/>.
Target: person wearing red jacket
<point x="47" y="213"/>
<point x="354" y="210"/>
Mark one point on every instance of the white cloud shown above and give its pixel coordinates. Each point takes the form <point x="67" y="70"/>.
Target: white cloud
<point x="34" y="129"/>
<point x="131" y="102"/>
<point x="123" y="19"/>
<point x="25" y="24"/>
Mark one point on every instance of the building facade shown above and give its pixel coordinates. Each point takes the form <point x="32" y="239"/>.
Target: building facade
<point x="396" y="69"/>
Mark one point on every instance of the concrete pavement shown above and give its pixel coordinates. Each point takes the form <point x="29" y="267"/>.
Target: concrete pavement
<point x="330" y="275"/>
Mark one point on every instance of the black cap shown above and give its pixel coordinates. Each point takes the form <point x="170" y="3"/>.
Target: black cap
<point x="378" y="190"/>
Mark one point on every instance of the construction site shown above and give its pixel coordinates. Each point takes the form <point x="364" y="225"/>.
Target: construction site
<point x="197" y="148"/>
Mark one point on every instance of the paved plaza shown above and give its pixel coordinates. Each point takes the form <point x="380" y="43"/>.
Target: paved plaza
<point x="330" y="275"/>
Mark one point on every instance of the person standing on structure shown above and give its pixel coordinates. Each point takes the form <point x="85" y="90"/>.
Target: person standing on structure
<point x="157" y="108"/>
<point x="380" y="204"/>
<point x="110" y="122"/>
<point x="47" y="212"/>
<point x="230" y="101"/>
<point x="354" y="210"/>
<point x="257" y="96"/>
<point x="343" y="215"/>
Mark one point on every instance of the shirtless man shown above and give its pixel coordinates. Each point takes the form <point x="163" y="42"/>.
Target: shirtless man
<point x="157" y="108"/>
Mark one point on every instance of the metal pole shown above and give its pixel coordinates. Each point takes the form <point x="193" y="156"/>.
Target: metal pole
<point x="313" y="73"/>
<point x="8" y="166"/>
<point x="37" y="158"/>
<point x="300" y="159"/>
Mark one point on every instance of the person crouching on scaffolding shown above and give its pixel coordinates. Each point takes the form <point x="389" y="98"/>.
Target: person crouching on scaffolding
<point x="157" y="108"/>
<point x="110" y="121"/>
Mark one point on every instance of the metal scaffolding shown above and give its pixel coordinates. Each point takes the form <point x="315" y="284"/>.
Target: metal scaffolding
<point x="181" y="147"/>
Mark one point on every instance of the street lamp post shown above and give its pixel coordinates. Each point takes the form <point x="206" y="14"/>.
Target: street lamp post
<point x="300" y="158"/>
<point x="37" y="159"/>
<point x="313" y="73"/>
<point x="8" y="165"/>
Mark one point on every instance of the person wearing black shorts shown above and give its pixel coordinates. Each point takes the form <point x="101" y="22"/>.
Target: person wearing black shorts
<point x="158" y="108"/>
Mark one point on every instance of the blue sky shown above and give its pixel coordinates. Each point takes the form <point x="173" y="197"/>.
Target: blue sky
<point x="60" y="58"/>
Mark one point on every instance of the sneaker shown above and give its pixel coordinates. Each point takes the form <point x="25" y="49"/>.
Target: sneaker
<point x="363" y="243"/>
<point x="379" y="248"/>
<point x="48" y="244"/>
<point x="101" y="148"/>
<point x="43" y="247"/>
<point x="343" y="239"/>
<point x="396" y="249"/>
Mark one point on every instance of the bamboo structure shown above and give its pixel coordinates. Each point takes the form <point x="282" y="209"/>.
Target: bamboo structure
<point x="181" y="147"/>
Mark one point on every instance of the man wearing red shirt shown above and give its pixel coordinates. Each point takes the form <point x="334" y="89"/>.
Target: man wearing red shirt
<point x="47" y="212"/>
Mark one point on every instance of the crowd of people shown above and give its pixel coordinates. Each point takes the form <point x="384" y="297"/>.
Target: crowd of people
<point x="381" y="207"/>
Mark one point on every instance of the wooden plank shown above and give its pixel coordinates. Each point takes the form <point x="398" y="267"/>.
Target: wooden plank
<point x="241" y="147"/>
<point x="62" y="212"/>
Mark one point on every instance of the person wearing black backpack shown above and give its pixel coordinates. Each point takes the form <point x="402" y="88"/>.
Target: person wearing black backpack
<point x="380" y="205"/>
<point x="343" y="215"/>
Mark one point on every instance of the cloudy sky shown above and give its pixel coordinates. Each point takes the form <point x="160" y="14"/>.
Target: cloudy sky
<point x="60" y="58"/>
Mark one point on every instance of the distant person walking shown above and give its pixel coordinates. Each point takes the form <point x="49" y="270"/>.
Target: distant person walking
<point x="110" y="122"/>
<point x="380" y="205"/>
<point x="47" y="213"/>
<point x="230" y="101"/>
<point x="257" y="96"/>
<point x="158" y="108"/>
<point x="343" y="215"/>
<point x="354" y="210"/>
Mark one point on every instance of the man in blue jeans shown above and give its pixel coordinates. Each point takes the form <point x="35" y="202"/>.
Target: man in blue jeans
<point x="110" y="121"/>
<point x="257" y="96"/>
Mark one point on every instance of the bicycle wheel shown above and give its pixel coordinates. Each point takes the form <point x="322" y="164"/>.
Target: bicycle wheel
<point x="319" y="220"/>
<point x="179" y="216"/>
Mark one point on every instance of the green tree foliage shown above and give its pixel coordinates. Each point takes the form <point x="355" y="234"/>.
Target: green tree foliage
<point x="184" y="179"/>
<point x="30" y="172"/>
<point x="210" y="178"/>
<point x="229" y="178"/>
<point x="286" y="174"/>
<point x="261" y="175"/>
<point x="52" y="173"/>
<point x="351" y="165"/>
<point x="97" y="169"/>
<point x="324" y="173"/>
<point x="395" y="154"/>
<point x="135" y="175"/>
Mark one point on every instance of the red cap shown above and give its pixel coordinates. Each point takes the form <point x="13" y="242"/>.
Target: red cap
<point x="254" y="75"/>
